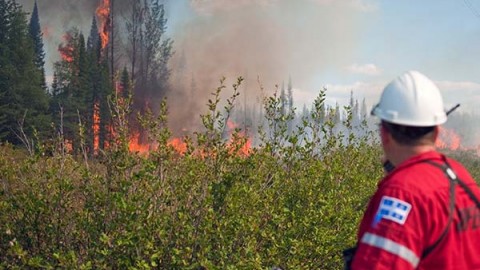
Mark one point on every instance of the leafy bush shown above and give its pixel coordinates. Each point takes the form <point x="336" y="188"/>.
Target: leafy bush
<point x="294" y="201"/>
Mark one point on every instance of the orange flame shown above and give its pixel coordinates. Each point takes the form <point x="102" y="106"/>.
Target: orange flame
<point x="246" y="147"/>
<point x="179" y="145"/>
<point x="66" y="48"/>
<point x="448" y="139"/>
<point x="238" y="143"/>
<point x="96" y="126"/>
<point x="135" y="145"/>
<point x="103" y="13"/>
<point x="68" y="144"/>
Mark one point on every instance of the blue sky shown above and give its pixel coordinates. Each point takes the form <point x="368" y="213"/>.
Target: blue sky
<point x="344" y="45"/>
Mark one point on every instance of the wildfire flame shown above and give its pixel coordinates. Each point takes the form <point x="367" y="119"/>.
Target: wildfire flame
<point x="179" y="145"/>
<point x="448" y="139"/>
<point x="68" y="144"/>
<point x="96" y="127"/>
<point x="135" y="146"/>
<point x="103" y="14"/>
<point x="245" y="149"/>
<point x="66" y="48"/>
<point x="238" y="143"/>
<point x="176" y="143"/>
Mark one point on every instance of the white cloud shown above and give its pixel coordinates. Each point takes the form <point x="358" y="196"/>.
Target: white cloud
<point x="455" y="86"/>
<point x="341" y="93"/>
<point x="463" y="92"/>
<point x="365" y="69"/>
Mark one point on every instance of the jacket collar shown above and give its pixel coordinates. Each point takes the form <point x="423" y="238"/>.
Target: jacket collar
<point x="429" y="155"/>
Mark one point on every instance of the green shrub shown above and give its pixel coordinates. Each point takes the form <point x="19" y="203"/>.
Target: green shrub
<point x="294" y="201"/>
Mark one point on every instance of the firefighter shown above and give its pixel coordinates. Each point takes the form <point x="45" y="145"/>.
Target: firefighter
<point x="425" y="213"/>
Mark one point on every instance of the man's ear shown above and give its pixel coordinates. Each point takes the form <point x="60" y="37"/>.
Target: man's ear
<point x="385" y="136"/>
<point x="436" y="132"/>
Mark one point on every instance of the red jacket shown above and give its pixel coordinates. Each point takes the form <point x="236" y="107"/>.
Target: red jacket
<point x="409" y="212"/>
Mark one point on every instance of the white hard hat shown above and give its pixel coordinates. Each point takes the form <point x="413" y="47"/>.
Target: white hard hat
<point x="411" y="100"/>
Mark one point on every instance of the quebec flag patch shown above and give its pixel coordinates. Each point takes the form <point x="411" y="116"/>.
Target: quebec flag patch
<point x="392" y="209"/>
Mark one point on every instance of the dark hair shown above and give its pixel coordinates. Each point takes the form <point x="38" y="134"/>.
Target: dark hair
<point x="408" y="135"/>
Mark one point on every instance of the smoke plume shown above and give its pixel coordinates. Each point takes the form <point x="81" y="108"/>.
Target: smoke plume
<point x="262" y="40"/>
<point x="269" y="40"/>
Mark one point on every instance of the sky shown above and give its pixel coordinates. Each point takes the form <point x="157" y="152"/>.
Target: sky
<point x="353" y="45"/>
<point x="342" y="45"/>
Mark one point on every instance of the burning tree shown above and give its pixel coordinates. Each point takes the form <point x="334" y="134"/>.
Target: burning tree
<point x="103" y="12"/>
<point x="80" y="90"/>
<point x="87" y="74"/>
<point x="68" y="88"/>
<point x="149" y="53"/>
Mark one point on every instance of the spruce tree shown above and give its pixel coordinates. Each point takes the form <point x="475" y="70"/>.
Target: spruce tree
<point x="70" y="92"/>
<point x="356" y="112"/>
<point x="290" y="104"/>
<point x="37" y="37"/>
<point x="363" y="110"/>
<point x="23" y="102"/>
<point x="283" y="100"/>
<point x="305" y="112"/>
<point x="337" y="116"/>
<point x="94" y="92"/>
<point x="353" y="104"/>
<point x="101" y="88"/>
<point x="93" y="42"/>
<point x="290" y="94"/>
<point x="125" y="83"/>
<point x="105" y="90"/>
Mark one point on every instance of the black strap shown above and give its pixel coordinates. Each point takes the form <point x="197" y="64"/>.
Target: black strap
<point x="348" y="255"/>
<point x="469" y="192"/>
<point x="453" y="181"/>
<point x="451" y="175"/>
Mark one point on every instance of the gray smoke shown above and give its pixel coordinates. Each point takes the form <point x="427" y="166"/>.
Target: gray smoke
<point x="261" y="40"/>
<point x="268" y="40"/>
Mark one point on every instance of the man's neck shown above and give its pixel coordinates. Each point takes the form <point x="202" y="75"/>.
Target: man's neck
<point x="403" y="153"/>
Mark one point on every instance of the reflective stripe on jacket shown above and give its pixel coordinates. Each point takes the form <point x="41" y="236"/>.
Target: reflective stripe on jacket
<point x="409" y="212"/>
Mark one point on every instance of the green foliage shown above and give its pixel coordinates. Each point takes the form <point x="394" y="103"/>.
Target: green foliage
<point x="294" y="202"/>
<point x="37" y="38"/>
<point x="23" y="100"/>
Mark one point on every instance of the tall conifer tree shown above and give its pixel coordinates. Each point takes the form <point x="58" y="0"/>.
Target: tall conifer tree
<point x="70" y="91"/>
<point x="37" y="37"/>
<point x="290" y="94"/>
<point x="23" y="102"/>
<point x="283" y="100"/>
